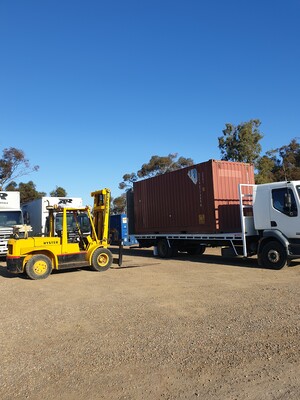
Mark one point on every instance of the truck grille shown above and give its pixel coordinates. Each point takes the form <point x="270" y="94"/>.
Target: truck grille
<point x="5" y="233"/>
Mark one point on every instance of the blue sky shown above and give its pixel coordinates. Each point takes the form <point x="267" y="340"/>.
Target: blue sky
<point x="90" y="90"/>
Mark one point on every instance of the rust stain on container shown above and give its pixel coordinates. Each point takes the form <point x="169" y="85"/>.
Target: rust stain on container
<point x="202" y="198"/>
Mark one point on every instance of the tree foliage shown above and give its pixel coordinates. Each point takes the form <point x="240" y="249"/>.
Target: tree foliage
<point x="289" y="155"/>
<point x="280" y="164"/>
<point x="265" y="168"/>
<point x="118" y="204"/>
<point x="160" y="165"/>
<point x="157" y="165"/>
<point x="128" y="180"/>
<point x="13" y="165"/>
<point x="241" y="142"/>
<point x="28" y="192"/>
<point x="58" y="192"/>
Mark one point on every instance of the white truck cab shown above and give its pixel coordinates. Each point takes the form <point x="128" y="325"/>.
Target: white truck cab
<point x="276" y="213"/>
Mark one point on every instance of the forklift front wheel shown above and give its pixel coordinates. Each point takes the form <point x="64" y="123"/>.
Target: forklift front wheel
<point x="101" y="260"/>
<point x="38" y="267"/>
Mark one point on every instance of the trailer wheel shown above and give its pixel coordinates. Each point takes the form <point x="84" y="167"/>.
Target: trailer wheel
<point x="163" y="249"/>
<point x="38" y="267"/>
<point x="273" y="255"/>
<point x="197" y="250"/>
<point x="101" y="260"/>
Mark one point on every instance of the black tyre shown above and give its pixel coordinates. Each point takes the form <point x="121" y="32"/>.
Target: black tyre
<point x="101" y="260"/>
<point x="163" y="249"/>
<point x="197" y="250"/>
<point x="38" y="267"/>
<point x="273" y="256"/>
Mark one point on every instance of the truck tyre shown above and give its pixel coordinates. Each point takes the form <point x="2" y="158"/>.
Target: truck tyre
<point x="38" y="267"/>
<point x="273" y="255"/>
<point x="101" y="259"/>
<point x="163" y="249"/>
<point x="197" y="250"/>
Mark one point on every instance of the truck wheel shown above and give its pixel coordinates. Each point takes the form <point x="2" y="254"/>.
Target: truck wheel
<point x="163" y="249"/>
<point x="38" y="267"/>
<point x="196" y="250"/>
<point x="273" y="256"/>
<point x="101" y="260"/>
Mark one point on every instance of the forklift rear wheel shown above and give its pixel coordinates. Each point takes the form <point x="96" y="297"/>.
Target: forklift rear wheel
<point x="38" y="267"/>
<point x="101" y="260"/>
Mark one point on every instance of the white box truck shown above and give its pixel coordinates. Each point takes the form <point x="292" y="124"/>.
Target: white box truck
<point x="36" y="214"/>
<point x="10" y="215"/>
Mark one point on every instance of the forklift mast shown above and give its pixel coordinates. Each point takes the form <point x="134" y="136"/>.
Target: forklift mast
<point x="101" y="210"/>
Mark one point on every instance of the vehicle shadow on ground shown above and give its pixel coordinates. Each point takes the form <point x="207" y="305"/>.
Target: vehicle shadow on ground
<point x="151" y="260"/>
<point x="121" y="260"/>
<point x="204" y="258"/>
<point x="6" y="274"/>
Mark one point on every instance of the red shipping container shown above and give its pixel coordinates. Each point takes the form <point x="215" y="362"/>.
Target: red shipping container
<point x="202" y="198"/>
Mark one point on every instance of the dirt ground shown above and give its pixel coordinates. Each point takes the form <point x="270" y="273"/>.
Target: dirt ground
<point x="186" y="328"/>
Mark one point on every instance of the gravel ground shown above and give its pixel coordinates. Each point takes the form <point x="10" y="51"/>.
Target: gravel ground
<point x="186" y="328"/>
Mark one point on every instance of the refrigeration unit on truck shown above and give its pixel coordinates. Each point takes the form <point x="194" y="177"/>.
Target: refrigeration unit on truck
<point x="10" y="215"/>
<point x="217" y="204"/>
<point x="118" y="231"/>
<point x="36" y="213"/>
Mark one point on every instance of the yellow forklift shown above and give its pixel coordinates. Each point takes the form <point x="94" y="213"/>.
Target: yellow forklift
<point x="68" y="245"/>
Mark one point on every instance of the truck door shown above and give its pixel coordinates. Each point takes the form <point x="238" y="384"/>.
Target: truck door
<point x="284" y="212"/>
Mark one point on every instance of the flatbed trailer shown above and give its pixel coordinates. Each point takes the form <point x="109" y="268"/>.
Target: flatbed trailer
<point x="270" y="228"/>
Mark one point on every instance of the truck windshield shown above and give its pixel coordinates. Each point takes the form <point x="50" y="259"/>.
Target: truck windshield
<point x="10" y="218"/>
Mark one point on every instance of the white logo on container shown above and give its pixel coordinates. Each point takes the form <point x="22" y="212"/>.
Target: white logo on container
<point x="193" y="175"/>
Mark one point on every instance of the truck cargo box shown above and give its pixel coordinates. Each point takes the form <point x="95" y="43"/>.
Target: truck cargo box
<point x="10" y="200"/>
<point x="197" y="199"/>
<point x="36" y="214"/>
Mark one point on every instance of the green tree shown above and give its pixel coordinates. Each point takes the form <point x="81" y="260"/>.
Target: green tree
<point x="58" y="192"/>
<point x="279" y="164"/>
<point x="12" y="186"/>
<point x="13" y="165"/>
<point x="28" y="192"/>
<point x="287" y="162"/>
<point x="157" y="165"/>
<point x="241" y="143"/>
<point x="128" y="180"/>
<point x="118" y="205"/>
<point x="160" y="165"/>
<point x="265" y="169"/>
